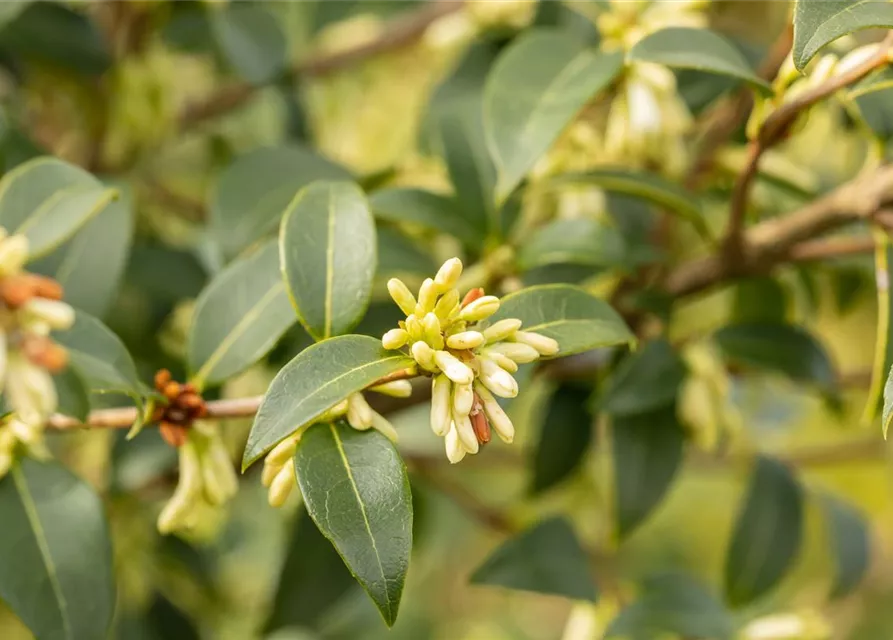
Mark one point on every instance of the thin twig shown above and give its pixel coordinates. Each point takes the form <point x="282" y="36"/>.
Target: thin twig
<point x="828" y="248"/>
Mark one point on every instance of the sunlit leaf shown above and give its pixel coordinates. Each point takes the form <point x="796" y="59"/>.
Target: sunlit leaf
<point x="819" y="22"/>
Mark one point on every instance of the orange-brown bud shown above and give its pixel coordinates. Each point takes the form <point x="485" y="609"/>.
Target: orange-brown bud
<point x="173" y="434"/>
<point x="188" y="387"/>
<point x="45" y="353"/>
<point x="162" y="377"/>
<point x="171" y="390"/>
<point x="190" y="400"/>
<point x="481" y="426"/>
<point x="16" y="290"/>
<point x="45" y="287"/>
<point x="471" y="296"/>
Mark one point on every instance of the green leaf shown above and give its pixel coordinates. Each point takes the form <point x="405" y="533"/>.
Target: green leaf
<point x="535" y="89"/>
<point x="400" y="255"/>
<point x="784" y="348"/>
<point x="576" y="319"/>
<point x="314" y="381"/>
<point x="699" y="49"/>
<point x="251" y="40"/>
<point x="564" y="438"/>
<point x="48" y="200"/>
<point x="356" y="490"/>
<point x="883" y="352"/>
<point x="74" y="397"/>
<point x="252" y="193"/>
<point x="10" y="9"/>
<point x="767" y="534"/>
<point x="55" y="553"/>
<point x="546" y="559"/>
<point x="239" y="317"/>
<point x="645" y="381"/>
<point x="878" y="80"/>
<point x="818" y="22"/>
<point x="850" y="545"/>
<point x="647" y="453"/>
<point x="759" y="299"/>
<point x="327" y="251"/>
<point x="673" y="603"/>
<point x="579" y="241"/>
<point x="426" y="209"/>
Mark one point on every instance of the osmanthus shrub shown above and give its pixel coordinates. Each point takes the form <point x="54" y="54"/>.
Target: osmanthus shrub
<point x="573" y="269"/>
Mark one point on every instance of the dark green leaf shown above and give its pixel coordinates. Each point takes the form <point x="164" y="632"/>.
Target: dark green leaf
<point x="759" y="299"/>
<point x="426" y="209"/>
<point x="564" y="438"/>
<point x="850" y="545"/>
<point x="55" y="553"/>
<point x="74" y="397"/>
<point x="398" y="254"/>
<point x="645" y="381"/>
<point x="317" y="379"/>
<point x="251" y="40"/>
<point x="545" y="559"/>
<point x="579" y="241"/>
<point x="356" y="490"/>
<point x="535" y="89"/>
<point x="700" y="49"/>
<point x="576" y="319"/>
<point x="876" y="109"/>
<point x="647" y="453"/>
<point x="239" y="317"/>
<point x="327" y="250"/>
<point x="252" y="193"/>
<point x="818" y="22"/>
<point x="767" y="534"/>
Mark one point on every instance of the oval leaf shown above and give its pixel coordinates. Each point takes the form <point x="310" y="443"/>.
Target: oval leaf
<point x="251" y="40"/>
<point x="55" y="553"/>
<point x="564" y="437"/>
<point x="535" y="89"/>
<point x="356" y="490"/>
<point x="767" y="534"/>
<point x="581" y="241"/>
<point x="426" y="209"/>
<point x="700" y="49"/>
<point x="252" y="193"/>
<point x="576" y="319"/>
<point x="645" y="381"/>
<point x="315" y="380"/>
<point x="239" y="317"/>
<point x="818" y="22"/>
<point x="850" y="545"/>
<point x="546" y="559"/>
<point x="327" y="250"/>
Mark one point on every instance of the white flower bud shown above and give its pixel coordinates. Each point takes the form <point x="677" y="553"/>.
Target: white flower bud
<point x="176" y="513"/>
<point x="219" y="458"/>
<point x="213" y="488"/>
<point x="424" y="355"/>
<point x="427" y="297"/>
<point x="448" y="274"/>
<point x="454" y="369"/>
<point x="359" y="413"/>
<point x="497" y="379"/>
<point x="431" y="327"/>
<point x="544" y="345"/>
<point x="463" y="399"/>
<point x="517" y="351"/>
<point x="402" y="295"/>
<point x="465" y="431"/>
<point x="281" y="486"/>
<point x="498" y="418"/>
<point x="414" y="328"/>
<point x="395" y="388"/>
<point x="454" y="449"/>
<point x="13" y="254"/>
<point x="30" y="390"/>
<point x="394" y="339"/>
<point x="465" y="340"/>
<point x="440" y="405"/>
<point x="59" y="315"/>
<point x="447" y="304"/>
<point x="506" y="363"/>
<point x="502" y="329"/>
<point x="383" y="426"/>
<point x="27" y="433"/>
<point x="480" y="309"/>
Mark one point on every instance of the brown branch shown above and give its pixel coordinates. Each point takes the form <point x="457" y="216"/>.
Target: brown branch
<point x="403" y="31"/>
<point x="827" y="248"/>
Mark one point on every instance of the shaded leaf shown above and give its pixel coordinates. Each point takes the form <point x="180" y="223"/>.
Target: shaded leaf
<point x="426" y="209"/>
<point x="850" y="545"/>
<point x="534" y="90"/>
<point x="546" y="559"/>
<point x="315" y="380"/>
<point x="759" y="299"/>
<point x="580" y="241"/>
<point x="576" y="319"/>
<point x="239" y="317"/>
<point x="74" y="396"/>
<point x="398" y="254"/>
<point x="327" y="250"/>
<point x="55" y="553"/>
<point x="645" y="381"/>
<point x="767" y="533"/>
<point x="564" y="437"/>
<point x="818" y="22"/>
<point x="356" y="490"/>
<point x="251" y="40"/>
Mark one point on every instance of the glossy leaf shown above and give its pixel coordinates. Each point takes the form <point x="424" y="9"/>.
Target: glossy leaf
<point x="251" y="40"/>
<point x="356" y="489"/>
<point x="767" y="534"/>
<point x="700" y="49"/>
<point x="399" y="255"/>
<point x="74" y="396"/>
<point x="545" y="559"/>
<point x="576" y="319"/>
<point x="239" y="317"/>
<point x="426" y="209"/>
<point x="645" y="381"/>
<point x="580" y="241"/>
<point x="564" y="437"/>
<point x="534" y="90"/>
<point x="252" y="193"/>
<point x="55" y="553"/>
<point x="315" y="380"/>
<point x="327" y="250"/>
<point x="819" y="22"/>
<point x="850" y="545"/>
<point x="883" y="352"/>
<point x="647" y="450"/>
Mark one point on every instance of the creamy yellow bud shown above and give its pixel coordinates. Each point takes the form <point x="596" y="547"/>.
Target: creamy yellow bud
<point x="223" y="466"/>
<point x="283" y="451"/>
<point x="427" y="297"/>
<point x="269" y="472"/>
<point x="5" y="463"/>
<point x="431" y="328"/>
<point x="29" y="434"/>
<point x="497" y="379"/>
<point x="176" y="513"/>
<point x="499" y="420"/>
<point x="213" y="488"/>
<point x="332" y="414"/>
<point x="395" y="389"/>
<point x="30" y="390"/>
<point x="506" y="363"/>
<point x="402" y="295"/>
<point x="381" y="424"/>
<point x="448" y="303"/>
<point x="448" y="274"/>
<point x="454" y="369"/>
<point x="440" y="405"/>
<point x="414" y="328"/>
<point x="465" y="340"/>
<point x="466" y="434"/>
<point x="424" y="355"/>
<point x="59" y="315"/>
<point x="455" y="452"/>
<point x="544" y="345"/>
<point x="520" y="353"/>
<point x="394" y="339"/>
<point x="502" y="329"/>
<point x="13" y="254"/>
<point x="7" y="439"/>
<point x="281" y="486"/>
<point x="480" y="309"/>
<point x="463" y="398"/>
<point x="359" y="413"/>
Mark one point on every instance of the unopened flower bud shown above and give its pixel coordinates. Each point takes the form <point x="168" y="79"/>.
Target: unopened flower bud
<point x="383" y="426"/>
<point x="465" y="431"/>
<point x="481" y="425"/>
<point x="501" y="330"/>
<point x="176" y="513"/>
<point x="465" y="340"/>
<point x="448" y="303"/>
<point x="427" y="297"/>
<point x="394" y="339"/>
<point x="414" y="328"/>
<point x="59" y="315"/>
<point x="28" y="433"/>
<point x="334" y="413"/>
<point x="13" y="254"/>
<point x="424" y="355"/>
<point x="281" y="486"/>
<point x="480" y="309"/>
<point x="499" y="421"/>
<point x="395" y="388"/>
<point x="431" y="327"/>
<point x="30" y="390"/>
<point x="463" y="398"/>
<point x="544" y="345"/>
<point x="506" y="363"/>
<point x="497" y="379"/>
<point x="454" y="450"/>
<point x="269" y="472"/>
<point x="402" y="296"/>
<point x="283" y="451"/>
<point x="440" y="405"/>
<point x="471" y="296"/>
<point x="359" y="413"/>
<point x="520" y="353"/>
<point x="448" y="274"/>
<point x="454" y="369"/>
<point x="5" y="463"/>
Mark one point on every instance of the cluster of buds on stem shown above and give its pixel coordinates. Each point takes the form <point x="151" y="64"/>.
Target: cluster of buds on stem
<point x="469" y="360"/>
<point x="31" y="308"/>
<point x="184" y="406"/>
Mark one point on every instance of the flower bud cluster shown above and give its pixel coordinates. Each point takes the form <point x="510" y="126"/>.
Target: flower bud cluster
<point x="470" y="360"/>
